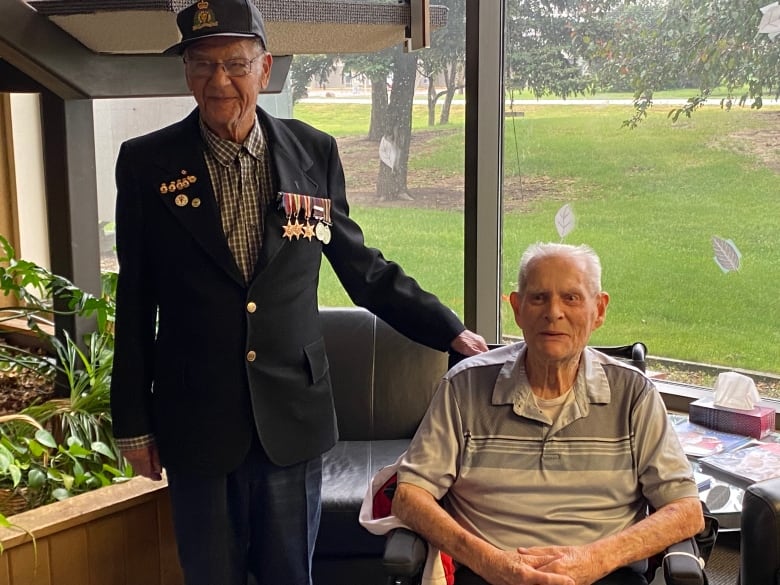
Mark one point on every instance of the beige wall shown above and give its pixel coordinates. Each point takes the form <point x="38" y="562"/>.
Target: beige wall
<point x="29" y="178"/>
<point x="9" y="227"/>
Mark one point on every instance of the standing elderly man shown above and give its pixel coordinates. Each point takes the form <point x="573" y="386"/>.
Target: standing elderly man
<point x="549" y="452"/>
<point x="220" y="372"/>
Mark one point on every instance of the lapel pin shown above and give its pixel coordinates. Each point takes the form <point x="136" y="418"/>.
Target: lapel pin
<point x="178" y="185"/>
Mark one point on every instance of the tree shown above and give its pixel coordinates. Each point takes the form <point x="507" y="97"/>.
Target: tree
<point x="392" y="74"/>
<point x="704" y="43"/>
<point x="377" y="67"/>
<point x="541" y="55"/>
<point x="304" y="68"/>
<point x="391" y="116"/>
<point x="446" y="57"/>
<point x="392" y="179"/>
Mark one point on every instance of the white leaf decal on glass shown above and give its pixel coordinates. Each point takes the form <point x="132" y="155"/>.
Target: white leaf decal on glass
<point x="727" y="256"/>
<point x="564" y="221"/>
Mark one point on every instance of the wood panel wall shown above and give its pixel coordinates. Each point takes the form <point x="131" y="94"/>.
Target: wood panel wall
<point x="118" y="535"/>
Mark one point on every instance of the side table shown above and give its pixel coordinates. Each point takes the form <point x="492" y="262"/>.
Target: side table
<point x="722" y="497"/>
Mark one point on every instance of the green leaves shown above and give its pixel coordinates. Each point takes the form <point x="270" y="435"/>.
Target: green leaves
<point x="52" y="470"/>
<point x="64" y="446"/>
<point x="701" y="44"/>
<point x="41" y="293"/>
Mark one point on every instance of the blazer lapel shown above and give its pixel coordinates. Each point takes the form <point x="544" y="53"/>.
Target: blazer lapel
<point x="197" y="210"/>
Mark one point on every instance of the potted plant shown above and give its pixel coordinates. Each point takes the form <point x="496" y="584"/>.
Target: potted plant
<point x="62" y="446"/>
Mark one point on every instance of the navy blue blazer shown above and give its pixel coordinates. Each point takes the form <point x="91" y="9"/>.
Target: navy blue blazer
<point x="186" y="322"/>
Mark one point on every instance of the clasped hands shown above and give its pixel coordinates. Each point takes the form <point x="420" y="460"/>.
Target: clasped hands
<point x="543" y="565"/>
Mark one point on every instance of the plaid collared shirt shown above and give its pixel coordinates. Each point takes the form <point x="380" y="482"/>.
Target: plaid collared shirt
<point x="241" y="176"/>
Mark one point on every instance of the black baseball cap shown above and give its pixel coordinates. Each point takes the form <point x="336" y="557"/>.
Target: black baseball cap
<point x="218" y="18"/>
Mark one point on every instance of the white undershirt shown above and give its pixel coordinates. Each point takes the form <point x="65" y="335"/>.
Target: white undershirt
<point x="552" y="407"/>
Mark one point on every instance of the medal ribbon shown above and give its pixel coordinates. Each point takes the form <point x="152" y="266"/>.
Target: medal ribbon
<point x="313" y="207"/>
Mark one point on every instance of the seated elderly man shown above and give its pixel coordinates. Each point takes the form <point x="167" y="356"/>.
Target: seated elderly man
<point x="536" y="462"/>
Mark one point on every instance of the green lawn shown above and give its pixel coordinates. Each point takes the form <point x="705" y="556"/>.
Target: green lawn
<point x="647" y="200"/>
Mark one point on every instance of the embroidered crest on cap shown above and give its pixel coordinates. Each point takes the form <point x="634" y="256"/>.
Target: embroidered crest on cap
<point x="204" y="17"/>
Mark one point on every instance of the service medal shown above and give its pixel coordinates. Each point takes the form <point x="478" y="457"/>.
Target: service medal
<point x="322" y="231"/>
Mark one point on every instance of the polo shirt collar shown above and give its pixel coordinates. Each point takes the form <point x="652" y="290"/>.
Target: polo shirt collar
<point x="512" y="385"/>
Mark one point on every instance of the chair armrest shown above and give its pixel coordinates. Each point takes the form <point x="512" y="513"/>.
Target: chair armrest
<point x="683" y="565"/>
<point x="405" y="553"/>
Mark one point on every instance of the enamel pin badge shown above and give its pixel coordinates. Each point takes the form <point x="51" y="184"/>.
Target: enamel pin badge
<point x="176" y="187"/>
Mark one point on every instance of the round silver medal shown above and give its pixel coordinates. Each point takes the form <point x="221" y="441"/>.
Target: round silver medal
<point x="322" y="231"/>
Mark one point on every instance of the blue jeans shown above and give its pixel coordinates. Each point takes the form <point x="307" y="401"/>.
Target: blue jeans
<point x="257" y="524"/>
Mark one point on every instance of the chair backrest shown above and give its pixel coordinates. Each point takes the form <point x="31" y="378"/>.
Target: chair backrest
<point x="455" y="357"/>
<point x="634" y="353"/>
<point x="382" y="381"/>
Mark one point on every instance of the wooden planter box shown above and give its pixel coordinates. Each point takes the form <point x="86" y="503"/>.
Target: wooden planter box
<point x="116" y="535"/>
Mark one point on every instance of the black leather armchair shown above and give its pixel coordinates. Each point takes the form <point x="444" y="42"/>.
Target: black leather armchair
<point x="382" y="384"/>
<point x="760" y="534"/>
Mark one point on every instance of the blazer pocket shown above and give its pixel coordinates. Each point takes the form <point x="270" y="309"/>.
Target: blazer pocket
<point x="317" y="360"/>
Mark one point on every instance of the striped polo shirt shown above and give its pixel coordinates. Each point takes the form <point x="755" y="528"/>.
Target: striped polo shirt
<point x="517" y="479"/>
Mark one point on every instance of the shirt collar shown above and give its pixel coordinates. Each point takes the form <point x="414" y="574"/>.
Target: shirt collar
<point x="226" y="151"/>
<point x="512" y="386"/>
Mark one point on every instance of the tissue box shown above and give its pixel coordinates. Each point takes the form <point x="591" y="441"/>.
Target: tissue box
<point x="757" y="423"/>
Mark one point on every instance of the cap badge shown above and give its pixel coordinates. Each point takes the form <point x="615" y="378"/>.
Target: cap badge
<point x="204" y="17"/>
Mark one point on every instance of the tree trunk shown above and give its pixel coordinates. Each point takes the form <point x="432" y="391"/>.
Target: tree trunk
<point x="450" y="80"/>
<point x="432" y="98"/>
<point x="391" y="181"/>
<point x="376" y="128"/>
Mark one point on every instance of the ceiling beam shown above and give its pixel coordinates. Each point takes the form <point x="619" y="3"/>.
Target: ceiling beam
<point x="44" y="52"/>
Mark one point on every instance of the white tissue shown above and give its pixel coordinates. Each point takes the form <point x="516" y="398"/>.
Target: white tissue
<point x="733" y="390"/>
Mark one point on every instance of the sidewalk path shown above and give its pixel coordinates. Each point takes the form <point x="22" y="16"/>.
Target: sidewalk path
<point x="347" y="97"/>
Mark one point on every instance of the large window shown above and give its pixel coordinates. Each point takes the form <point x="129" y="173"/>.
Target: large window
<point x="398" y="118"/>
<point x="683" y="214"/>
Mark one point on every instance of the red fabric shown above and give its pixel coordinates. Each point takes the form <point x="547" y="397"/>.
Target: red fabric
<point x="449" y="568"/>
<point x="382" y="502"/>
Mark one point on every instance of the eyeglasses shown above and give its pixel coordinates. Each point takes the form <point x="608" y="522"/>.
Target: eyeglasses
<point x="233" y="67"/>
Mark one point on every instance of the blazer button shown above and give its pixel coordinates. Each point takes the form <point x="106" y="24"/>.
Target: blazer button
<point x="251" y="307"/>
<point x="250" y="356"/>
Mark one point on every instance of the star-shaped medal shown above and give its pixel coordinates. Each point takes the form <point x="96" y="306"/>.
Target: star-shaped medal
<point x="308" y="231"/>
<point x="297" y="229"/>
<point x="288" y="230"/>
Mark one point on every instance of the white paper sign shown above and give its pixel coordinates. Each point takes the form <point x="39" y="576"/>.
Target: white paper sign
<point x="388" y="153"/>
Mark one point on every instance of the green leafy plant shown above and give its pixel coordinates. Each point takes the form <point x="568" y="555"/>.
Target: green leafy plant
<point x="63" y="446"/>
<point x="36" y="469"/>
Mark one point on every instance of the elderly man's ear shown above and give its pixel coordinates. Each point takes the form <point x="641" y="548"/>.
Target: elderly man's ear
<point x="602" y="300"/>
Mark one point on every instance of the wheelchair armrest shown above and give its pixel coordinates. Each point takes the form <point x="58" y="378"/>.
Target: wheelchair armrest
<point x="405" y="553"/>
<point x="683" y="565"/>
